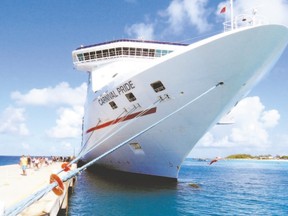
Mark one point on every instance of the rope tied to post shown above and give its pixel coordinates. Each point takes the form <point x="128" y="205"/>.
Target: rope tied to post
<point x="59" y="189"/>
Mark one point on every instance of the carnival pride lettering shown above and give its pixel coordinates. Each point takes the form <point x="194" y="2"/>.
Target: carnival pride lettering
<point x="114" y="94"/>
<point x="107" y="97"/>
<point x="125" y="88"/>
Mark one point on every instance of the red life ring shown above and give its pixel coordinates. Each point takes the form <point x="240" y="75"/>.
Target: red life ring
<point x="59" y="189"/>
<point x="65" y="167"/>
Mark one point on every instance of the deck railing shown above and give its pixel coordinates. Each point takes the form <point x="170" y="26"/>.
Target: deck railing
<point x="243" y="20"/>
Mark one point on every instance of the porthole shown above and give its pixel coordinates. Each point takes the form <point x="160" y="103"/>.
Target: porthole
<point x="135" y="146"/>
<point x="158" y="86"/>
<point x="130" y="96"/>
<point x="113" y="105"/>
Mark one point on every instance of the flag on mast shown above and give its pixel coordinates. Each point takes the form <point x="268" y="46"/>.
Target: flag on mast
<point x="223" y="10"/>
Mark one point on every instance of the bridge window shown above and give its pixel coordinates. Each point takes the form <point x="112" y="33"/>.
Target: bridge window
<point x="158" y="53"/>
<point x="138" y="52"/>
<point x="151" y="52"/>
<point x="119" y="51"/>
<point x="112" y="52"/>
<point x="86" y="56"/>
<point x="80" y="57"/>
<point x="125" y="51"/>
<point x="99" y="54"/>
<point x="92" y="55"/>
<point x="105" y="53"/>
<point x="132" y="51"/>
<point x="145" y="52"/>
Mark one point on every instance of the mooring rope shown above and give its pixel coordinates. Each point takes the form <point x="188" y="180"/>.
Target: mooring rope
<point x="18" y="208"/>
<point x="125" y="125"/>
<point x="115" y="132"/>
<point x="109" y="126"/>
<point x="83" y="147"/>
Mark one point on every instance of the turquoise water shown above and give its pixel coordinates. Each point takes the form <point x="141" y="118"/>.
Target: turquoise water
<point x="225" y="188"/>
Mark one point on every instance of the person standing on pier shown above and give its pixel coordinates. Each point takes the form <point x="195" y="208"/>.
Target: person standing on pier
<point x="23" y="164"/>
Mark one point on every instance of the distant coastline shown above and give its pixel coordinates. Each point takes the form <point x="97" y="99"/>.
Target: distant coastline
<point x="258" y="157"/>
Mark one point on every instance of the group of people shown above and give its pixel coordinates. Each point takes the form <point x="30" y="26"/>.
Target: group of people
<point x="37" y="162"/>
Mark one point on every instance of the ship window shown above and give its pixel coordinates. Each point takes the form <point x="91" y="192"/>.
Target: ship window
<point x="92" y="55"/>
<point x="119" y="51"/>
<point x="112" y="52"/>
<point x="138" y="51"/>
<point x="113" y="105"/>
<point x="164" y="52"/>
<point x="158" y="53"/>
<point x="132" y="51"/>
<point x="125" y="51"/>
<point x="86" y="56"/>
<point x="80" y="57"/>
<point x="151" y="52"/>
<point x="145" y="52"/>
<point x="158" y="86"/>
<point x="130" y="96"/>
<point x="99" y="54"/>
<point x="105" y="53"/>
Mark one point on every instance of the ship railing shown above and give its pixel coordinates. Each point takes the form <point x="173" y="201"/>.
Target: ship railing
<point x="244" y="20"/>
<point x="76" y="61"/>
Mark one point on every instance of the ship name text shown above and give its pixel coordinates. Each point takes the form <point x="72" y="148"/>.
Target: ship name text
<point x="115" y="93"/>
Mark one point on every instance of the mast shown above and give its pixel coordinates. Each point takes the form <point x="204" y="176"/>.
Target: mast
<point x="232" y="14"/>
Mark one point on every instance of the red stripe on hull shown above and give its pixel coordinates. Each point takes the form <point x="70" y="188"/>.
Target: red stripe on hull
<point x="128" y="117"/>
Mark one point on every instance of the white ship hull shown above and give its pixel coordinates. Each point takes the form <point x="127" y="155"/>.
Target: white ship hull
<point x="202" y="83"/>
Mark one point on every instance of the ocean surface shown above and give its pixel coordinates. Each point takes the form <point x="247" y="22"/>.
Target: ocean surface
<point x="228" y="187"/>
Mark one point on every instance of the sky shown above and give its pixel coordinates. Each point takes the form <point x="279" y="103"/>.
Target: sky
<point x="42" y="95"/>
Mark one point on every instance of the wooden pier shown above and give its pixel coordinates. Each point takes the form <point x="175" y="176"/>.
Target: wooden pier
<point x="14" y="187"/>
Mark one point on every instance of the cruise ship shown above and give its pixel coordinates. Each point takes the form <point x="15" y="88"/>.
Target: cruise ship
<point x="149" y="102"/>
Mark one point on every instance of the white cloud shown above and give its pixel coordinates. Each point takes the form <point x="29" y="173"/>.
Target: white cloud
<point x="250" y="130"/>
<point x="177" y="16"/>
<point x="13" y="121"/>
<point x="270" y="118"/>
<point x="60" y="94"/>
<point x="68" y="124"/>
<point x="25" y="146"/>
<point x="191" y="12"/>
<point x="141" y="31"/>
<point x="69" y="120"/>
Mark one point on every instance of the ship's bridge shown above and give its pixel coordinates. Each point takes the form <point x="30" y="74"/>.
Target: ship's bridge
<point x="87" y="57"/>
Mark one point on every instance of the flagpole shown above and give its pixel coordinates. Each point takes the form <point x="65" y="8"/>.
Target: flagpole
<point x="232" y="14"/>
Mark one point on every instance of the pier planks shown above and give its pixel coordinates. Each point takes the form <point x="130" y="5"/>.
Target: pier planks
<point x="15" y="187"/>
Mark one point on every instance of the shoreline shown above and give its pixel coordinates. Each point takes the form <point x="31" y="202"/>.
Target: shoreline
<point x="255" y="159"/>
